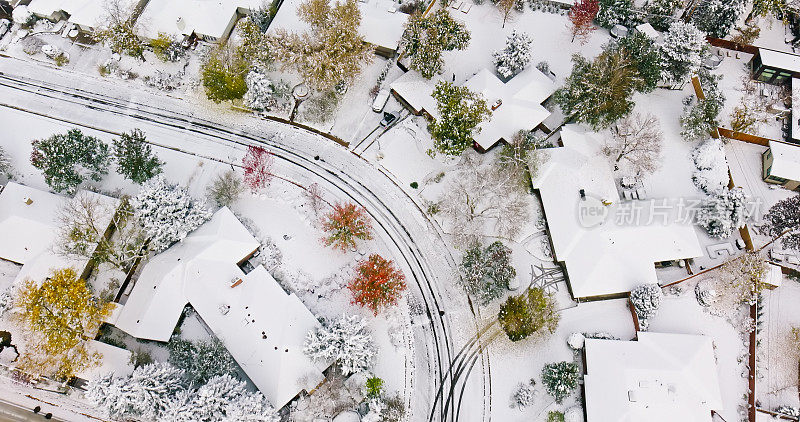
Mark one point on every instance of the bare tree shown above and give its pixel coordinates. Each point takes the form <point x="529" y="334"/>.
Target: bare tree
<point x="519" y="159"/>
<point x="752" y="110"/>
<point x="119" y="29"/>
<point x="314" y="198"/>
<point x="636" y="144"/>
<point x="482" y="200"/>
<point x="505" y="6"/>
<point x="745" y="275"/>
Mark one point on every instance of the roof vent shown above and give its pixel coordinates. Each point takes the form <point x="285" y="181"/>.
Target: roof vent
<point x="632" y="396"/>
<point x="27" y="200"/>
<point x="582" y="193"/>
<point x="224" y="309"/>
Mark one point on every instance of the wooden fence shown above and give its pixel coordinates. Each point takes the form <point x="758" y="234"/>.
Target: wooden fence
<point x="730" y="45"/>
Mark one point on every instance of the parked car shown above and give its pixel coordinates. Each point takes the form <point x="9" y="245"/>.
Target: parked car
<point x="380" y="101"/>
<point x="388" y="118"/>
<point x="5" y="25"/>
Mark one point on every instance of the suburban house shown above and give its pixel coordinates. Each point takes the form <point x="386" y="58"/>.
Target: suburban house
<point x="603" y="257"/>
<point x="209" y="20"/>
<point x="774" y="67"/>
<point x="516" y="105"/>
<point x="86" y="14"/>
<point x="382" y="25"/>
<point x="781" y="165"/>
<point x="657" y="378"/>
<point x="262" y="326"/>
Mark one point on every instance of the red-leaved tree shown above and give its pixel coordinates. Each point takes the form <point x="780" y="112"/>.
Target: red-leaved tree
<point x="378" y="284"/>
<point x="345" y="224"/>
<point x="257" y="168"/>
<point x="581" y="15"/>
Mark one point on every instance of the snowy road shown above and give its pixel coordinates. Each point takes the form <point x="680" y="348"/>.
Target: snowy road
<point x="114" y="107"/>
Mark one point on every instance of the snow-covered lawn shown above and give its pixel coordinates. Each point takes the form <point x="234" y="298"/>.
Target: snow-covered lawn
<point x="778" y="351"/>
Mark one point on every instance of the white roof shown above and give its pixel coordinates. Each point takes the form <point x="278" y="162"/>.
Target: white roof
<point x="659" y="378"/>
<point x="609" y="258"/>
<point x="182" y="17"/>
<point x="521" y="107"/>
<point x="114" y="359"/>
<point x="381" y="24"/>
<point x="199" y="271"/>
<point x="785" y="160"/>
<point x="648" y="30"/>
<point x="774" y="275"/>
<point x="779" y="59"/>
<point x="416" y="92"/>
<point x="87" y="13"/>
<point x="28" y="229"/>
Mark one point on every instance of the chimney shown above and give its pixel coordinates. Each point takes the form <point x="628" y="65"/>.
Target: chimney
<point x="583" y="193"/>
<point x="27" y="200"/>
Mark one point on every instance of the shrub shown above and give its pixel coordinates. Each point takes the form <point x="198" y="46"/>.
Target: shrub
<point x="560" y="379"/>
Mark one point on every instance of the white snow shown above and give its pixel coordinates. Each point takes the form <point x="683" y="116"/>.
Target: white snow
<point x="114" y="359"/>
<point x="213" y="18"/>
<point x="786" y="160"/>
<point x="779" y="60"/>
<point x="658" y="378"/>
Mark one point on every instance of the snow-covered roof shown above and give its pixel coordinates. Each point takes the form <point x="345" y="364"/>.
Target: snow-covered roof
<point x="86" y="13"/>
<point x="381" y="24"/>
<point x="261" y="326"/>
<point x="27" y="221"/>
<point x="785" y="160"/>
<point x="774" y="275"/>
<point x="648" y="30"/>
<point x="659" y="378"/>
<point x="779" y="59"/>
<point x="608" y="258"/>
<point x="182" y="17"/>
<point x="416" y="91"/>
<point x="521" y="107"/>
<point x="114" y="359"/>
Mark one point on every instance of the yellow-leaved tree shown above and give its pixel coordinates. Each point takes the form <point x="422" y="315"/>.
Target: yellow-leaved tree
<point x="60" y="315"/>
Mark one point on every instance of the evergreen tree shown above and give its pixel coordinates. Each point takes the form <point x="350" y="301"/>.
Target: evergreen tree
<point x="699" y="119"/>
<point x="67" y="159"/>
<point x="223" y="74"/>
<point x="135" y="158"/>
<point x="783" y="220"/>
<point x="461" y="111"/>
<point x="780" y="9"/>
<point x="260" y="95"/>
<point x="5" y="163"/>
<point x="226" y="399"/>
<point x="523" y="315"/>
<point x="683" y="49"/>
<point x="560" y="379"/>
<point x="661" y="13"/>
<point x="377" y="284"/>
<point x="515" y="56"/>
<point x="144" y="395"/>
<point x="644" y="56"/>
<point x="617" y="12"/>
<point x="487" y="272"/>
<point x="344" y="340"/>
<point x="599" y="93"/>
<point x="426" y="37"/>
<point x="646" y="300"/>
<point x="723" y="211"/>
<point x="167" y="213"/>
<point x="201" y="360"/>
<point x="717" y="17"/>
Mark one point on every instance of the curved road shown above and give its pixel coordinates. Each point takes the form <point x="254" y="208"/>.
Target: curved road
<point x="415" y="240"/>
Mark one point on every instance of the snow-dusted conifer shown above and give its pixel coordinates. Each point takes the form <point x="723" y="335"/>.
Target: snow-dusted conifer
<point x="616" y="12"/>
<point x="717" y="17"/>
<point x="226" y="399"/>
<point x="167" y="212"/>
<point x="144" y="394"/>
<point x="683" y="49"/>
<point x="646" y="300"/>
<point x="524" y="395"/>
<point x="712" y="166"/>
<point x="201" y="360"/>
<point x="344" y="340"/>
<point x="487" y="272"/>
<point x="783" y="219"/>
<point x="560" y="379"/>
<point x="67" y="159"/>
<point x="723" y="211"/>
<point x="515" y="56"/>
<point x="260" y="95"/>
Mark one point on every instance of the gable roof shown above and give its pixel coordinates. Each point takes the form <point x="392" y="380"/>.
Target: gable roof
<point x="182" y="17"/>
<point x="659" y="378"/>
<point x="786" y="160"/>
<point x="262" y="326"/>
<point x="609" y="258"/>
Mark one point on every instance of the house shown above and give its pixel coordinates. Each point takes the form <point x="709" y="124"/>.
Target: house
<point x="262" y="326"/>
<point x="516" y="105"/>
<point x="210" y="20"/>
<point x="114" y="360"/>
<point x="781" y="165"/>
<point x="774" y="67"/>
<point x="382" y="25"/>
<point x="657" y="378"/>
<point x="603" y="257"/>
<point x="86" y="14"/>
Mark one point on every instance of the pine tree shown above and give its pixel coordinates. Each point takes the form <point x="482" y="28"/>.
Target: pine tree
<point x="645" y="56"/>
<point x="201" y="360"/>
<point x="345" y="341"/>
<point x="226" y="188"/>
<point x="616" y="12"/>
<point x="257" y="164"/>
<point x="646" y="300"/>
<point x="782" y="221"/>
<point x="68" y="159"/>
<point x="683" y="49"/>
<point x="461" y="111"/>
<point x="581" y="16"/>
<point x="224" y="398"/>
<point x="560" y="379"/>
<point x="660" y="13"/>
<point x="717" y="17"/>
<point x="57" y="314"/>
<point x="167" y="213"/>
<point x="487" y="272"/>
<point x="260" y="95"/>
<point x="135" y="158"/>
<point x="524" y="395"/>
<point x="723" y="211"/>
<point x="144" y="395"/>
<point x="700" y="118"/>
<point x="426" y="37"/>
<point x="378" y="284"/>
<point x="346" y="224"/>
<point x="526" y="314"/>
<point x="515" y="56"/>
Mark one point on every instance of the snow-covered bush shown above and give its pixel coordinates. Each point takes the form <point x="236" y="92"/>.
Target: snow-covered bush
<point x="23" y="16"/>
<point x="717" y="17"/>
<point x="573" y="414"/>
<point x="560" y="379"/>
<point x="683" y="49"/>
<point x="164" y="81"/>
<point x="524" y="395"/>
<point x="201" y="360"/>
<point x="167" y="212"/>
<point x="223" y="398"/>
<point x="6" y="301"/>
<point x="788" y="411"/>
<point x="646" y="299"/>
<point x="712" y="166"/>
<point x="515" y="56"/>
<point x="144" y="394"/>
<point x="783" y="219"/>
<point x="487" y="272"/>
<point x="344" y="340"/>
<point x="260" y="95"/>
<point x="225" y="189"/>
<point x="616" y="12"/>
<point x="575" y="341"/>
<point x="601" y="335"/>
<point x="723" y="211"/>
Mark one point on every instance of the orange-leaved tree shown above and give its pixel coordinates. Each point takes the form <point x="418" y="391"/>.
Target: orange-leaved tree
<point x="345" y="224"/>
<point x="377" y="284"/>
